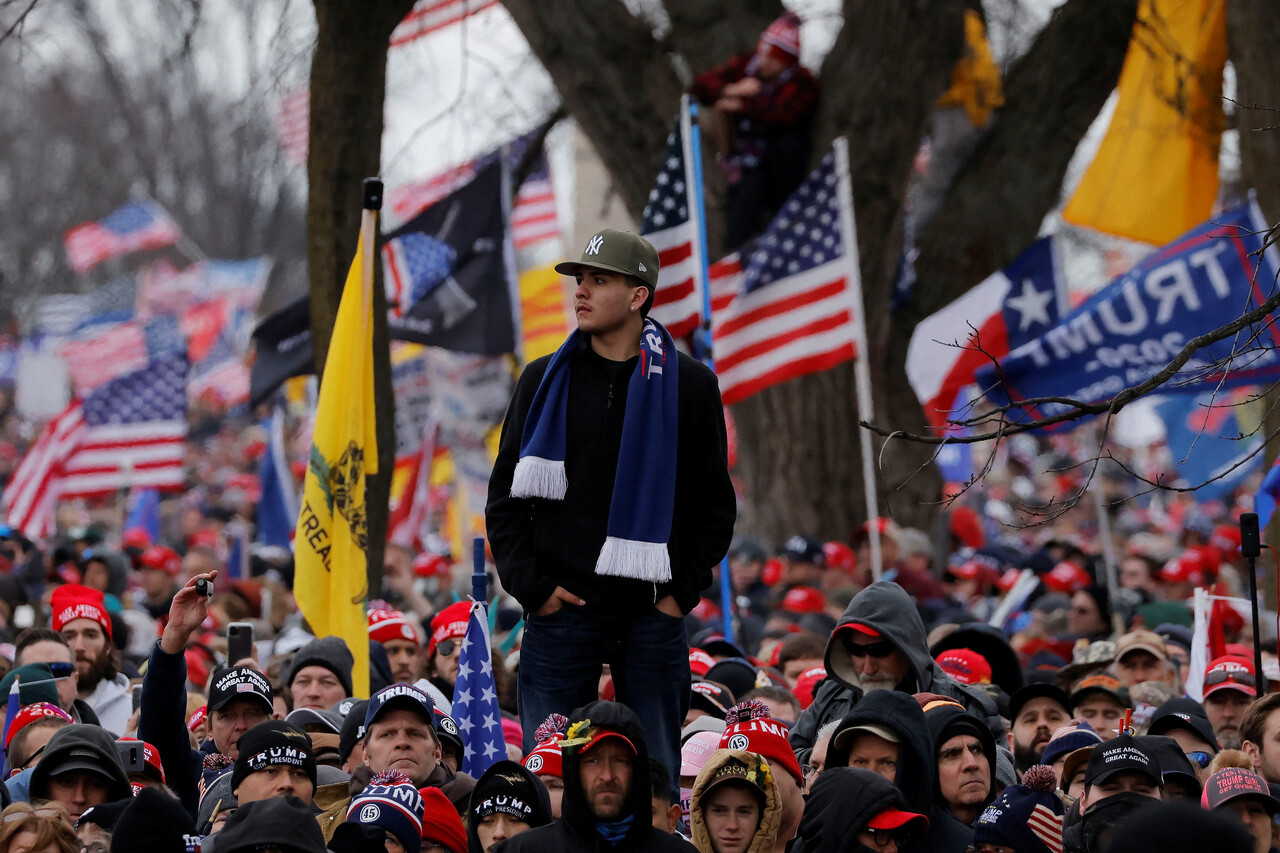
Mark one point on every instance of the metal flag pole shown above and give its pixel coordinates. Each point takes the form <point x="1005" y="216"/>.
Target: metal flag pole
<point x="479" y="580"/>
<point x="692" y="140"/>
<point x="1251" y="549"/>
<point x="861" y="373"/>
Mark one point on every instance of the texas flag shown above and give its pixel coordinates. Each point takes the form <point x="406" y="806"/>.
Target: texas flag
<point x="1006" y="310"/>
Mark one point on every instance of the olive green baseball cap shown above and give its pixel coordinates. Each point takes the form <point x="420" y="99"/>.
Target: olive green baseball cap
<point x="617" y="251"/>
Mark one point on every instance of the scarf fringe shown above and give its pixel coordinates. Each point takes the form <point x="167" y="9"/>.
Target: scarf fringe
<point x="536" y="477"/>
<point x="632" y="558"/>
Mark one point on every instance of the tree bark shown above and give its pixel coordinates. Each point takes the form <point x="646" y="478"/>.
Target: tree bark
<point x="348" y="91"/>
<point x="704" y="36"/>
<point x="614" y="80"/>
<point x="801" y="462"/>
<point x="1252" y="32"/>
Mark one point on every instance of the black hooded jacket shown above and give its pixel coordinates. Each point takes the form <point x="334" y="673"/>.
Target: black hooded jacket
<point x="886" y="608"/>
<point x="575" y="829"/>
<point x="517" y="780"/>
<point x="917" y="771"/>
<point x="843" y="799"/>
<point x="92" y="745"/>
<point x="946" y="721"/>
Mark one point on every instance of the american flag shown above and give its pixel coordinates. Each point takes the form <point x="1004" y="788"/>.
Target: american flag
<point x="221" y="377"/>
<point x="128" y="433"/>
<point x="135" y="226"/>
<point x="135" y="432"/>
<point x="32" y="494"/>
<point x="293" y="125"/>
<point x="794" y="308"/>
<point x="409" y="200"/>
<point x="431" y="15"/>
<point x="533" y="216"/>
<point x="475" y="699"/>
<point x="673" y="232"/>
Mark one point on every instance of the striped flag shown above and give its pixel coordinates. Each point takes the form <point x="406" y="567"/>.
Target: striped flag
<point x="129" y="433"/>
<point x="293" y="125"/>
<point x="533" y="216"/>
<point x="792" y="308"/>
<point x="135" y="431"/>
<point x="30" y="498"/>
<point x="671" y="229"/>
<point x="133" y="227"/>
<point x="428" y="16"/>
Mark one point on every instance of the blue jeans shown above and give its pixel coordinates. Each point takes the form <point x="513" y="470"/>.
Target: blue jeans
<point x="561" y="657"/>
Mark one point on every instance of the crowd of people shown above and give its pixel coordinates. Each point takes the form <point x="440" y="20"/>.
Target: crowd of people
<point x="844" y="714"/>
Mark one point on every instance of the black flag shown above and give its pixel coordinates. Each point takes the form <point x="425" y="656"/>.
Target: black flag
<point x="282" y="348"/>
<point x="448" y="270"/>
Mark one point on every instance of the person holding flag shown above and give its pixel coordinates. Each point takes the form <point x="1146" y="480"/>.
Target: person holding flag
<point x="610" y="500"/>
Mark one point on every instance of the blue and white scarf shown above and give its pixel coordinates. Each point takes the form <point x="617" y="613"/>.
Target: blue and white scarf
<point x="645" y="484"/>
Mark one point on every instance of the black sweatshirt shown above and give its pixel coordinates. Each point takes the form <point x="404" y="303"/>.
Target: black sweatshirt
<point x="540" y="544"/>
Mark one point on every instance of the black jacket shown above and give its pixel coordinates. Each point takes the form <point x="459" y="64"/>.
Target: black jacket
<point x="917" y="771"/>
<point x="843" y="799"/>
<point x="81" y="741"/>
<point x="885" y="607"/>
<point x="575" y="829"/>
<point x="540" y="544"/>
<point x="162" y="724"/>
<point x="947" y="721"/>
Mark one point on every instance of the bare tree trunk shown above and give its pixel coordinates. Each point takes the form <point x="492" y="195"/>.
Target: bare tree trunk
<point x="613" y="79"/>
<point x="1253" y="30"/>
<point x="348" y="90"/>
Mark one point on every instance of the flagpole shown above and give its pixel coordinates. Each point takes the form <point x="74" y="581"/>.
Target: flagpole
<point x="368" y="238"/>
<point x="692" y="136"/>
<point x="861" y="373"/>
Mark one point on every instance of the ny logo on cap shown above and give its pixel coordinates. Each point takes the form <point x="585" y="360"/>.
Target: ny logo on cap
<point x="593" y="248"/>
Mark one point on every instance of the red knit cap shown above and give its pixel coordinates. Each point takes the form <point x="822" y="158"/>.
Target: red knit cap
<point x="440" y="821"/>
<point x="784" y="34"/>
<point x="387" y="625"/>
<point x="450" y="622"/>
<point x="752" y="728"/>
<point x="806" y="683"/>
<point x="72" y="601"/>
<point x="546" y="759"/>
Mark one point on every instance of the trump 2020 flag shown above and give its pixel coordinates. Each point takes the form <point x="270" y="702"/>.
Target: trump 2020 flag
<point x="1133" y="327"/>
<point x="475" y="698"/>
<point x="1004" y="311"/>
<point x="332" y="537"/>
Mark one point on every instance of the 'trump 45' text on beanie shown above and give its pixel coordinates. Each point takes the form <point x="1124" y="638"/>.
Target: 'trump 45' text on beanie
<point x="73" y="601"/>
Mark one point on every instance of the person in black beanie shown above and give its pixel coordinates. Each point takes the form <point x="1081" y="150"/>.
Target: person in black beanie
<point x="275" y="761"/>
<point x="283" y="823"/>
<point x="319" y="675"/>
<point x="154" y="822"/>
<point x="507" y="800"/>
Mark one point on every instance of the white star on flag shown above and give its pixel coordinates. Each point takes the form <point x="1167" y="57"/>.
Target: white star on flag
<point x="475" y="702"/>
<point x="1032" y="305"/>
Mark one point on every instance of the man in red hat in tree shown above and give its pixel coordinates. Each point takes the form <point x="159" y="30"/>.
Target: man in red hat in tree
<point x="762" y="103"/>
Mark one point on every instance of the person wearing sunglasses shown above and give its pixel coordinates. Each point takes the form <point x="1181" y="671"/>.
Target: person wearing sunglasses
<point x="45" y="645"/>
<point x="448" y="627"/>
<point x="851" y="809"/>
<point x="880" y="643"/>
<point x="1229" y="686"/>
<point x="1184" y="720"/>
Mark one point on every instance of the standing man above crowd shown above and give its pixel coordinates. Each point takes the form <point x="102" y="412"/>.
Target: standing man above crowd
<point x="610" y="501"/>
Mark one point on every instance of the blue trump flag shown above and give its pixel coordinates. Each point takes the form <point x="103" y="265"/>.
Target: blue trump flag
<point x="1132" y="328"/>
<point x="1213" y="438"/>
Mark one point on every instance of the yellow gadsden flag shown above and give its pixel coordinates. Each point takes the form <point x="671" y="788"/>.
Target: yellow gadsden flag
<point x="1156" y="174"/>
<point x="330" y="579"/>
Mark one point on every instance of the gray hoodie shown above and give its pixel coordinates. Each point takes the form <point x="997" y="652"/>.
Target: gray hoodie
<point x="886" y="608"/>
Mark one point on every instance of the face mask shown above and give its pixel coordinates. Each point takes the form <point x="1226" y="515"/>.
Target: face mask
<point x="686" y="795"/>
